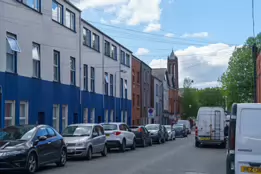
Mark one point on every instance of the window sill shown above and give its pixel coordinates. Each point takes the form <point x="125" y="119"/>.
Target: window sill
<point x="91" y="48"/>
<point x="126" y="65"/>
<point x="39" y="12"/>
<point x="56" y="81"/>
<point x="11" y="73"/>
<point x="110" y="57"/>
<point x="63" y="25"/>
<point x="37" y="78"/>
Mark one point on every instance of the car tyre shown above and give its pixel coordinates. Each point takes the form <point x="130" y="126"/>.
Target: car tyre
<point x="123" y="146"/>
<point x="133" y="146"/>
<point x="163" y="140"/>
<point x="150" y="143"/>
<point x="89" y="153"/>
<point x="31" y="164"/>
<point x="63" y="158"/>
<point x="143" y="143"/>
<point x="104" y="151"/>
<point x="197" y="144"/>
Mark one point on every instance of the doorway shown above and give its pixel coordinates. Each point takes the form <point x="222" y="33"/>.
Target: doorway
<point x="41" y="118"/>
<point x="75" y="118"/>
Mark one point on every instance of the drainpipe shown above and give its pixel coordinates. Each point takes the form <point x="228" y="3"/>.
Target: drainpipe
<point x="103" y="78"/>
<point x="121" y="90"/>
<point x="80" y="66"/>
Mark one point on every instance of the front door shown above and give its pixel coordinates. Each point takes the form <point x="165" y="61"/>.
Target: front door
<point x="41" y="118"/>
<point x="75" y="118"/>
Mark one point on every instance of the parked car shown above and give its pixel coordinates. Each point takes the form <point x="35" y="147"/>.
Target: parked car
<point x="156" y="132"/>
<point x="83" y="140"/>
<point x="187" y="125"/>
<point x="119" y="135"/>
<point x="166" y="135"/>
<point x="142" y="135"/>
<point x="29" y="147"/>
<point x="180" y="130"/>
<point x="171" y="132"/>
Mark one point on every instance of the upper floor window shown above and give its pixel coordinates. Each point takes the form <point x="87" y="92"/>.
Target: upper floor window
<point x="123" y="57"/>
<point x="106" y="83"/>
<point x="114" y="52"/>
<point x="92" y="79"/>
<point x="95" y="42"/>
<point x="72" y="74"/>
<point x="121" y="85"/>
<point x="127" y="59"/>
<point x="86" y="37"/>
<point x="85" y="77"/>
<point x="36" y="60"/>
<point x="34" y="4"/>
<point x="111" y="85"/>
<point x="12" y="47"/>
<point x="126" y="88"/>
<point x="56" y="66"/>
<point x="107" y="48"/>
<point x="70" y="19"/>
<point x="157" y="89"/>
<point x="57" y="12"/>
<point x="138" y="77"/>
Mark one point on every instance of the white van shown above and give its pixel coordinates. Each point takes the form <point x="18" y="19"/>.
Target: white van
<point x="210" y="126"/>
<point x="244" y="139"/>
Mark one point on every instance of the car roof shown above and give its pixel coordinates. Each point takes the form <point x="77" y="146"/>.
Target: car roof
<point x="84" y="124"/>
<point x="117" y="123"/>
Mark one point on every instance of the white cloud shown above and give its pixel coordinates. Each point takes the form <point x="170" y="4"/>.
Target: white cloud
<point x="103" y="21"/>
<point x="202" y="64"/>
<point x="169" y="35"/>
<point x="195" y="35"/>
<point x="142" y="51"/>
<point x="152" y="27"/>
<point x="130" y="12"/>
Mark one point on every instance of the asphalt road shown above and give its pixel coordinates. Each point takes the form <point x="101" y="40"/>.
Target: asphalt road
<point x="176" y="157"/>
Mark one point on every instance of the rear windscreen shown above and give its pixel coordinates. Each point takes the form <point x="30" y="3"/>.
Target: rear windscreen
<point x="108" y="127"/>
<point x="250" y="121"/>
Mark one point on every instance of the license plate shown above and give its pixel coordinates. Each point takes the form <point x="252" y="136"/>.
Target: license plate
<point x="70" y="150"/>
<point x="204" y="138"/>
<point x="246" y="169"/>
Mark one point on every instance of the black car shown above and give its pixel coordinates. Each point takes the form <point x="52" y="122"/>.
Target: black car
<point x="28" y="147"/>
<point x="180" y="130"/>
<point x="142" y="135"/>
<point x="156" y="132"/>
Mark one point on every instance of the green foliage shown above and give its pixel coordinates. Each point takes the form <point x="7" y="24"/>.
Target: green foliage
<point x="237" y="81"/>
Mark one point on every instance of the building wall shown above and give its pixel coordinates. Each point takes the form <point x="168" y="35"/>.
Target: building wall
<point x="145" y="90"/>
<point x="41" y="94"/>
<point x="157" y="102"/>
<point x="136" y="91"/>
<point x="258" y="68"/>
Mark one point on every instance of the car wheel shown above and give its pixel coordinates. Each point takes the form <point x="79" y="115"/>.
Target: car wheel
<point x="159" y="141"/>
<point x="150" y="143"/>
<point x="89" y="153"/>
<point x="31" y="165"/>
<point x="196" y="144"/>
<point x="133" y="147"/>
<point x="104" y="151"/>
<point x="123" y="146"/>
<point x="63" y="158"/>
<point x="163" y="140"/>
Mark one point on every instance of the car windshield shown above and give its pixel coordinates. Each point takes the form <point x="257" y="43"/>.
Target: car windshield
<point x="23" y="133"/>
<point x="152" y="127"/>
<point x="178" y="128"/>
<point x="76" y="131"/>
<point x="108" y="127"/>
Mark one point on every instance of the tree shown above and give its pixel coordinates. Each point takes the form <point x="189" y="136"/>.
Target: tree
<point x="211" y="97"/>
<point x="238" y="80"/>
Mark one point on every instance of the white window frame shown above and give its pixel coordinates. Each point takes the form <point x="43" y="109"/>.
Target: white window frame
<point x="64" y="117"/>
<point x="95" y="41"/>
<point x="12" y="111"/>
<point x="112" y="116"/>
<point x="26" y="111"/>
<point x="107" y="48"/>
<point x="72" y="71"/>
<point x="59" y="11"/>
<point x="36" y="60"/>
<point x="69" y="15"/>
<point x="92" y="74"/>
<point x="113" y="52"/>
<point x="86" y="115"/>
<point x="12" y="47"/>
<point x="85" y="77"/>
<point x="56" y="54"/>
<point x="127" y="59"/>
<point x="57" y="118"/>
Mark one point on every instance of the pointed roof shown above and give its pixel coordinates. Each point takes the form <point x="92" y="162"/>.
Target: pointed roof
<point x="172" y="55"/>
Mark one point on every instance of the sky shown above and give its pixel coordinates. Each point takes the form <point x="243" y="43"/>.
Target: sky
<point x="202" y="33"/>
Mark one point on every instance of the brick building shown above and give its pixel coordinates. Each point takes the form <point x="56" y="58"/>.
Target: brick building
<point x="136" y="90"/>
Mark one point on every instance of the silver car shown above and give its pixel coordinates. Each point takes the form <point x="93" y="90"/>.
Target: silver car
<point x="171" y="132"/>
<point x="83" y="140"/>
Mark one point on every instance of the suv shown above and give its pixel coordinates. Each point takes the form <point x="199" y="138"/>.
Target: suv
<point x="83" y="140"/>
<point x="119" y="135"/>
<point x="244" y="139"/>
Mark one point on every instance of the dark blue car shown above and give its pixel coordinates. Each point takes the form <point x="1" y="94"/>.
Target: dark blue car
<point x="180" y="130"/>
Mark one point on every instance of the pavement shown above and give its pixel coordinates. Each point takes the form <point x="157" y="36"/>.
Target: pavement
<point x="173" y="157"/>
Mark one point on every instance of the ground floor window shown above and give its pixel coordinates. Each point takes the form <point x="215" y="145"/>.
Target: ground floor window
<point x="106" y="119"/>
<point x="126" y="117"/>
<point x="56" y="117"/>
<point x="112" y="114"/>
<point x="23" y="118"/>
<point x="9" y="113"/>
<point x="85" y="117"/>
<point x="122" y="117"/>
<point x="93" y="116"/>
<point x="64" y="116"/>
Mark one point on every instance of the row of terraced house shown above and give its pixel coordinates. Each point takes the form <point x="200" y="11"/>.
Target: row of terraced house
<point x="58" y="69"/>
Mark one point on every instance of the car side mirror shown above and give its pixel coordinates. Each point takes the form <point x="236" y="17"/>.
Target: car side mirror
<point x="42" y="138"/>
<point x="129" y="130"/>
<point x="94" y="134"/>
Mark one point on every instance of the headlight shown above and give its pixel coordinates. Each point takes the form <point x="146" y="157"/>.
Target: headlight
<point x="80" y="144"/>
<point x="12" y="153"/>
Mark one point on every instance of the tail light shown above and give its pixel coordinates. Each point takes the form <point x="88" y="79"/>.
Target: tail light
<point x="196" y="131"/>
<point x="140" y="130"/>
<point x="117" y="133"/>
<point x="232" y="134"/>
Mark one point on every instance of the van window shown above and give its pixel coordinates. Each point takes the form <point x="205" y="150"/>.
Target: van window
<point x="250" y="123"/>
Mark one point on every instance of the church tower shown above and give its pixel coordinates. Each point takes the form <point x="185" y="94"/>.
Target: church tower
<point x="173" y="69"/>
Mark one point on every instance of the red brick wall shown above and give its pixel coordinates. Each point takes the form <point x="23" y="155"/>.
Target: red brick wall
<point x="136" y="95"/>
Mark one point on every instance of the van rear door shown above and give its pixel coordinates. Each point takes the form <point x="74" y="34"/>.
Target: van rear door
<point x="204" y="121"/>
<point x="248" y="140"/>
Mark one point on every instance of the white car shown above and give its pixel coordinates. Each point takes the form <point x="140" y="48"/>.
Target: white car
<point x="119" y="135"/>
<point x="171" y="132"/>
<point x="244" y="139"/>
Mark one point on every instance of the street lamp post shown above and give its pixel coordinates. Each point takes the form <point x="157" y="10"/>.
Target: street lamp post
<point x="115" y="94"/>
